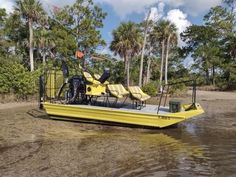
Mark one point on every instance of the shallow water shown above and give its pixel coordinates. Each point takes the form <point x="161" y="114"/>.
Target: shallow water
<point x="203" y="146"/>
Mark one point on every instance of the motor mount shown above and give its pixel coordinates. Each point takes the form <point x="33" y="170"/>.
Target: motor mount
<point x="105" y="75"/>
<point x="77" y="90"/>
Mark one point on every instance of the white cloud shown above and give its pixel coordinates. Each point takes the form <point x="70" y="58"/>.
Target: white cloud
<point x="7" y="4"/>
<point x="156" y="12"/>
<point x="153" y="14"/>
<point x="192" y="7"/>
<point x="179" y="18"/>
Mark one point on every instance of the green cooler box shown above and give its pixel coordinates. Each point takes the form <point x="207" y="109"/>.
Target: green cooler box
<point x="175" y="106"/>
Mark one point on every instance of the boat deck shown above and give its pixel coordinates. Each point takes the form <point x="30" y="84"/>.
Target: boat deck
<point x="151" y="109"/>
<point x="147" y="109"/>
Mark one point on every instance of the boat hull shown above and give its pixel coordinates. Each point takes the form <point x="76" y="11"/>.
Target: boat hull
<point x="119" y="116"/>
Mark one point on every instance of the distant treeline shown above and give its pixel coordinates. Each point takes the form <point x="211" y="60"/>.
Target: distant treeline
<point x="149" y="54"/>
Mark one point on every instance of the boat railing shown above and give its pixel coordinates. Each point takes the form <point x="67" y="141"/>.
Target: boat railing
<point x="167" y="87"/>
<point x="50" y="89"/>
<point x="50" y="83"/>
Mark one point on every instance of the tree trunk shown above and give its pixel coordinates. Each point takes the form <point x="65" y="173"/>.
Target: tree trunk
<point x="148" y="70"/>
<point x="44" y="52"/>
<point x="141" y="62"/>
<point x="167" y="56"/>
<point x="44" y="57"/>
<point x="31" y="45"/>
<point x="126" y="63"/>
<point x="162" y="62"/>
<point x="207" y="76"/>
<point x="127" y="74"/>
<point x="143" y="49"/>
<point x="213" y="75"/>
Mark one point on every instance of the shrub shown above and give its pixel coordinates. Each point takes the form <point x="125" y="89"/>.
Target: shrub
<point x="15" y="78"/>
<point x="178" y="89"/>
<point x="151" y="88"/>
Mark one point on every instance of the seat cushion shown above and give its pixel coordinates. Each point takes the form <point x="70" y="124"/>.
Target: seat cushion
<point x="90" y="79"/>
<point x="117" y="90"/>
<point x="138" y="94"/>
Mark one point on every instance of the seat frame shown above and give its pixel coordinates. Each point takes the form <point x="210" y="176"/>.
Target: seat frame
<point x="114" y="104"/>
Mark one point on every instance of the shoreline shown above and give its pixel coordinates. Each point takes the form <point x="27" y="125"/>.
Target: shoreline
<point x="201" y="96"/>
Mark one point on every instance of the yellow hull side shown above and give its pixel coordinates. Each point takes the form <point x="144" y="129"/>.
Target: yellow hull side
<point x="119" y="116"/>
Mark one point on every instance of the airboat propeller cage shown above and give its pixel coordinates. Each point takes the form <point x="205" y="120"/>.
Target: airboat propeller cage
<point x="65" y="69"/>
<point x="76" y="86"/>
<point x="105" y="75"/>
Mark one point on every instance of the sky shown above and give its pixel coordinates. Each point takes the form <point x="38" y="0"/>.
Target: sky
<point x="182" y="13"/>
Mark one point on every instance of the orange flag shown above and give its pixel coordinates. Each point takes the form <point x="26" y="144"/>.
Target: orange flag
<point x="79" y="54"/>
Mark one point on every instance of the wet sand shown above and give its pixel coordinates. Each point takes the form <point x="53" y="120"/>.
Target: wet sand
<point x="33" y="145"/>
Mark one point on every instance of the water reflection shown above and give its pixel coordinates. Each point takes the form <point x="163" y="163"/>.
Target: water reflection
<point x="184" y="151"/>
<point x="137" y="153"/>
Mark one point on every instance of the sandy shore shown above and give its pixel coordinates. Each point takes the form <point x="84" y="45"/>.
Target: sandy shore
<point x="16" y="105"/>
<point x="216" y="95"/>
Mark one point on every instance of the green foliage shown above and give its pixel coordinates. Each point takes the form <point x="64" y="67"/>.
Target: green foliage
<point x="151" y="88"/>
<point x="126" y="40"/>
<point x="14" y="78"/>
<point x="118" y="75"/>
<point x="30" y="9"/>
<point x="178" y="89"/>
<point x="126" y="43"/>
<point x="32" y="12"/>
<point x="116" y="68"/>
<point x="76" y="26"/>
<point x="134" y="69"/>
<point x="17" y="34"/>
<point x="213" y="46"/>
<point x="4" y="42"/>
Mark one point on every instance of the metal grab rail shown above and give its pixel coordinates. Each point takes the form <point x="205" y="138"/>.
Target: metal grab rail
<point x="194" y="94"/>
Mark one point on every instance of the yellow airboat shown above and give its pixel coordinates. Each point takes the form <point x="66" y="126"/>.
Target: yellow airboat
<point x="88" y="97"/>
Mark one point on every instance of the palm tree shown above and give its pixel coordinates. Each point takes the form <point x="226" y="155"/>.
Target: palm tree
<point x="149" y="62"/>
<point x="158" y="35"/>
<point x="143" y="48"/>
<point x="31" y="11"/>
<point x="44" y="39"/>
<point x="44" y="42"/>
<point x="126" y="43"/>
<point x="171" y="40"/>
<point x="163" y="33"/>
